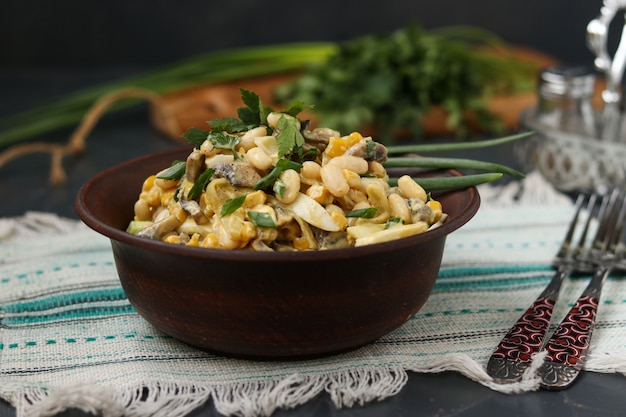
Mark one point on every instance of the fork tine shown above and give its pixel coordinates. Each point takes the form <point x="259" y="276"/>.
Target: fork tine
<point x="579" y="251"/>
<point x="616" y="234"/>
<point x="607" y="218"/>
<point x="564" y="250"/>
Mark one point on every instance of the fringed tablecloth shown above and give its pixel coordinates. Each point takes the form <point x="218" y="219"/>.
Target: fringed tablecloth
<point x="69" y="337"/>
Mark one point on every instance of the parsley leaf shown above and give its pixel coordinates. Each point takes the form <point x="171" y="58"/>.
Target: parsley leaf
<point x="261" y="219"/>
<point x="195" y="136"/>
<point x="228" y="124"/>
<point x="289" y="137"/>
<point x="222" y="140"/>
<point x="200" y="184"/>
<point x="296" y="107"/>
<point x="365" y="213"/>
<point x="251" y="114"/>
<point x="174" y="172"/>
<point x="230" y="206"/>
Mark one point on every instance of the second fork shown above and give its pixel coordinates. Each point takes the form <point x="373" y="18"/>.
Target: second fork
<point x="566" y="350"/>
<point x="514" y="353"/>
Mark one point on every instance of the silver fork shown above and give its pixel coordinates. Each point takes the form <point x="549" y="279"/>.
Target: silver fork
<point x="567" y="348"/>
<point x="514" y="353"/>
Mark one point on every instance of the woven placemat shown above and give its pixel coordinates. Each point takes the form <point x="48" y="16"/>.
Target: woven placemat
<point x="69" y="337"/>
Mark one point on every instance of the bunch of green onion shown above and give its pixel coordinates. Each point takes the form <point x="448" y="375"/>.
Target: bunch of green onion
<point x="212" y="68"/>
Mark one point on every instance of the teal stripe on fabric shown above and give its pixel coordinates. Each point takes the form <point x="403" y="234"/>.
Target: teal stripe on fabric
<point x="66" y="299"/>
<point x="73" y="314"/>
<point x="39" y="272"/>
<point x="492" y="277"/>
<point x="491" y="270"/>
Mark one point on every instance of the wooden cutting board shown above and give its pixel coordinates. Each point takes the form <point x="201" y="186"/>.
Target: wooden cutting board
<point x="193" y="107"/>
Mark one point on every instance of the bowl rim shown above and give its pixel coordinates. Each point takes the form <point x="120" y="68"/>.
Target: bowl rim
<point x="81" y="207"/>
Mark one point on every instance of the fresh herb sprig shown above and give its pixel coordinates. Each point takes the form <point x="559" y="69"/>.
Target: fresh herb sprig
<point x="392" y="81"/>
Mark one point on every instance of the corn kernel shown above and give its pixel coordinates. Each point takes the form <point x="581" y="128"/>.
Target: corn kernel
<point x="336" y="213"/>
<point x="177" y="211"/>
<point x="301" y="243"/>
<point x="352" y="139"/>
<point x="354" y="179"/>
<point x="153" y="196"/>
<point x="194" y="241"/>
<point x="175" y="239"/>
<point x="148" y="183"/>
<point x="209" y="241"/>
<point x="167" y="197"/>
<point x="317" y="192"/>
<point x="436" y="208"/>
<point x="336" y="147"/>
<point x="255" y="198"/>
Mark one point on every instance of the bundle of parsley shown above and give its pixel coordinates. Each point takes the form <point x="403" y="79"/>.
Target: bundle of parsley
<point x="391" y="81"/>
<point x="383" y="80"/>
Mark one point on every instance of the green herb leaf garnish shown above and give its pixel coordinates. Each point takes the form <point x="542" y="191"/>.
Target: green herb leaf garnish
<point x="261" y="219"/>
<point x="200" y="184"/>
<point x="393" y="221"/>
<point x="230" y="206"/>
<point x="297" y="107"/>
<point x="228" y="124"/>
<point x="279" y="187"/>
<point x="252" y="115"/>
<point x="365" y="213"/>
<point x="195" y="136"/>
<point x="222" y="140"/>
<point x="289" y="137"/>
<point x="174" y="172"/>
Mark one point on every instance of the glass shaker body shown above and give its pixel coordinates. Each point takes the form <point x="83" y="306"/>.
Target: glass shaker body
<point x="564" y="101"/>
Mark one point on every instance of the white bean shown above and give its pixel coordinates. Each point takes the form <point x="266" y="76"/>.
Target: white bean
<point x="334" y="181"/>
<point x="142" y="210"/>
<point x="310" y="170"/>
<point x="247" y="140"/>
<point x="399" y="207"/>
<point x="350" y="162"/>
<point x="274" y="117"/>
<point x="291" y="179"/>
<point x="410" y="189"/>
<point x="258" y="158"/>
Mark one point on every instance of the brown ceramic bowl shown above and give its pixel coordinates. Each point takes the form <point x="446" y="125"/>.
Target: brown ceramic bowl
<point x="259" y="304"/>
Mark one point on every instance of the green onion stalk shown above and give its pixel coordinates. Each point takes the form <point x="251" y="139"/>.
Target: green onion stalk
<point x="212" y="68"/>
<point x="494" y="171"/>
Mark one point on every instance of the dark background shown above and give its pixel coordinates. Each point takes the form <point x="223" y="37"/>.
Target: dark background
<point x="148" y="33"/>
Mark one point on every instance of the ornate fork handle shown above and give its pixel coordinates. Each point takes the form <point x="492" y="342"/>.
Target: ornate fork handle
<point x="514" y="353"/>
<point x="568" y="346"/>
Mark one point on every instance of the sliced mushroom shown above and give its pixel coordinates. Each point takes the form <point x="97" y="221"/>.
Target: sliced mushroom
<point x="192" y="208"/>
<point x="319" y="137"/>
<point x="195" y="165"/>
<point x="238" y="174"/>
<point x="283" y="216"/>
<point x="420" y="211"/>
<point x="331" y="240"/>
<point x="368" y="150"/>
<point x="160" y="228"/>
